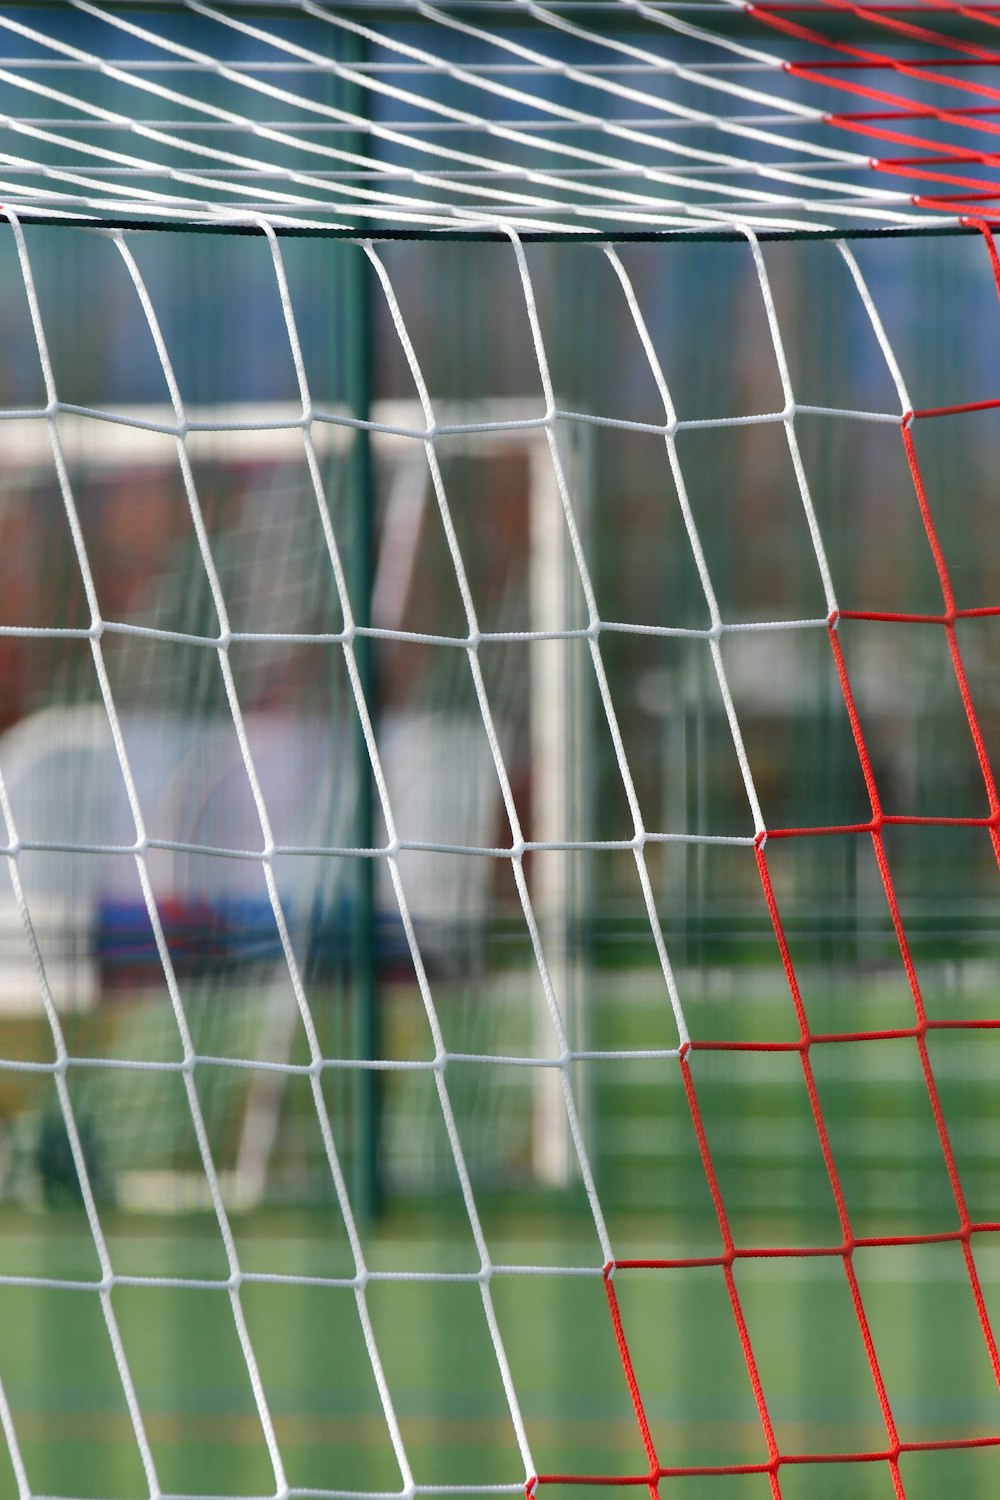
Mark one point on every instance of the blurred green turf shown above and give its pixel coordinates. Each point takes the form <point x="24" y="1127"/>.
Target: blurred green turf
<point x="189" y="1372"/>
<point x="206" y="1438"/>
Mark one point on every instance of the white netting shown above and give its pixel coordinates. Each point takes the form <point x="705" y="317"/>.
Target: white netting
<point x="540" y="115"/>
<point x="325" y="698"/>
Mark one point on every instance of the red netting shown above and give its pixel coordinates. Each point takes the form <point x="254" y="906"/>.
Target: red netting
<point x="938" y="160"/>
<point x="965" y="1231"/>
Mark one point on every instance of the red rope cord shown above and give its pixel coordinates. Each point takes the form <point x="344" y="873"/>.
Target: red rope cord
<point x="967" y="1230"/>
<point x="831" y="1171"/>
<point x="948" y="624"/>
<point x="731" y="1287"/>
<point x="938" y="71"/>
<point x="652" y="1478"/>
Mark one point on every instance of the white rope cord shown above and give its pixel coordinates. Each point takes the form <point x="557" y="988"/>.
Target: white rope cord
<point x="547" y="177"/>
<point x="712" y="635"/>
<point x="872" y="313"/>
<point x="508" y="140"/>
<point x="789" y="423"/>
<point x="316" y="1055"/>
<point x="629" y="134"/>
<point x="13" y="1447"/>
<point x="479" y="82"/>
<point x="448" y="183"/>
<point x="197" y="1116"/>
<point x="611" y="718"/>
<point x="226" y="117"/>
<point x="273" y="423"/>
<point x="603" y="82"/>
<point x="51" y="1012"/>
<point x="519" y="879"/>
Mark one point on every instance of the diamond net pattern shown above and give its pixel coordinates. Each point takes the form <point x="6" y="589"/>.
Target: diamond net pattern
<point x="560" y="1052"/>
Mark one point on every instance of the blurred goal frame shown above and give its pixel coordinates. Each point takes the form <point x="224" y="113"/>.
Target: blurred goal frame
<point x="245" y="435"/>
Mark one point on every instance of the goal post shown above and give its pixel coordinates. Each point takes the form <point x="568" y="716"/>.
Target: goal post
<point x="67" y="749"/>
<point x="498" y="727"/>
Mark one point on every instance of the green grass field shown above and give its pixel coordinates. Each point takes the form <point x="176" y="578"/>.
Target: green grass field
<point x="66" y="1397"/>
<point x="75" y="1435"/>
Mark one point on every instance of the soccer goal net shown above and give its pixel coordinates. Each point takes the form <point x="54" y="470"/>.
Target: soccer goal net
<point x="498" y="703"/>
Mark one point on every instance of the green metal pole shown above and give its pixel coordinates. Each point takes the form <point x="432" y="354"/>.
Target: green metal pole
<point x="364" y="986"/>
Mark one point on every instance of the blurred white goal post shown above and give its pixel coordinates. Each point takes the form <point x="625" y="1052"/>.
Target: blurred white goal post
<point x="50" y="755"/>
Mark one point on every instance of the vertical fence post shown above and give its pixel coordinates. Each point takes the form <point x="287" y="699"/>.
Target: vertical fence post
<point x="364" y="988"/>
